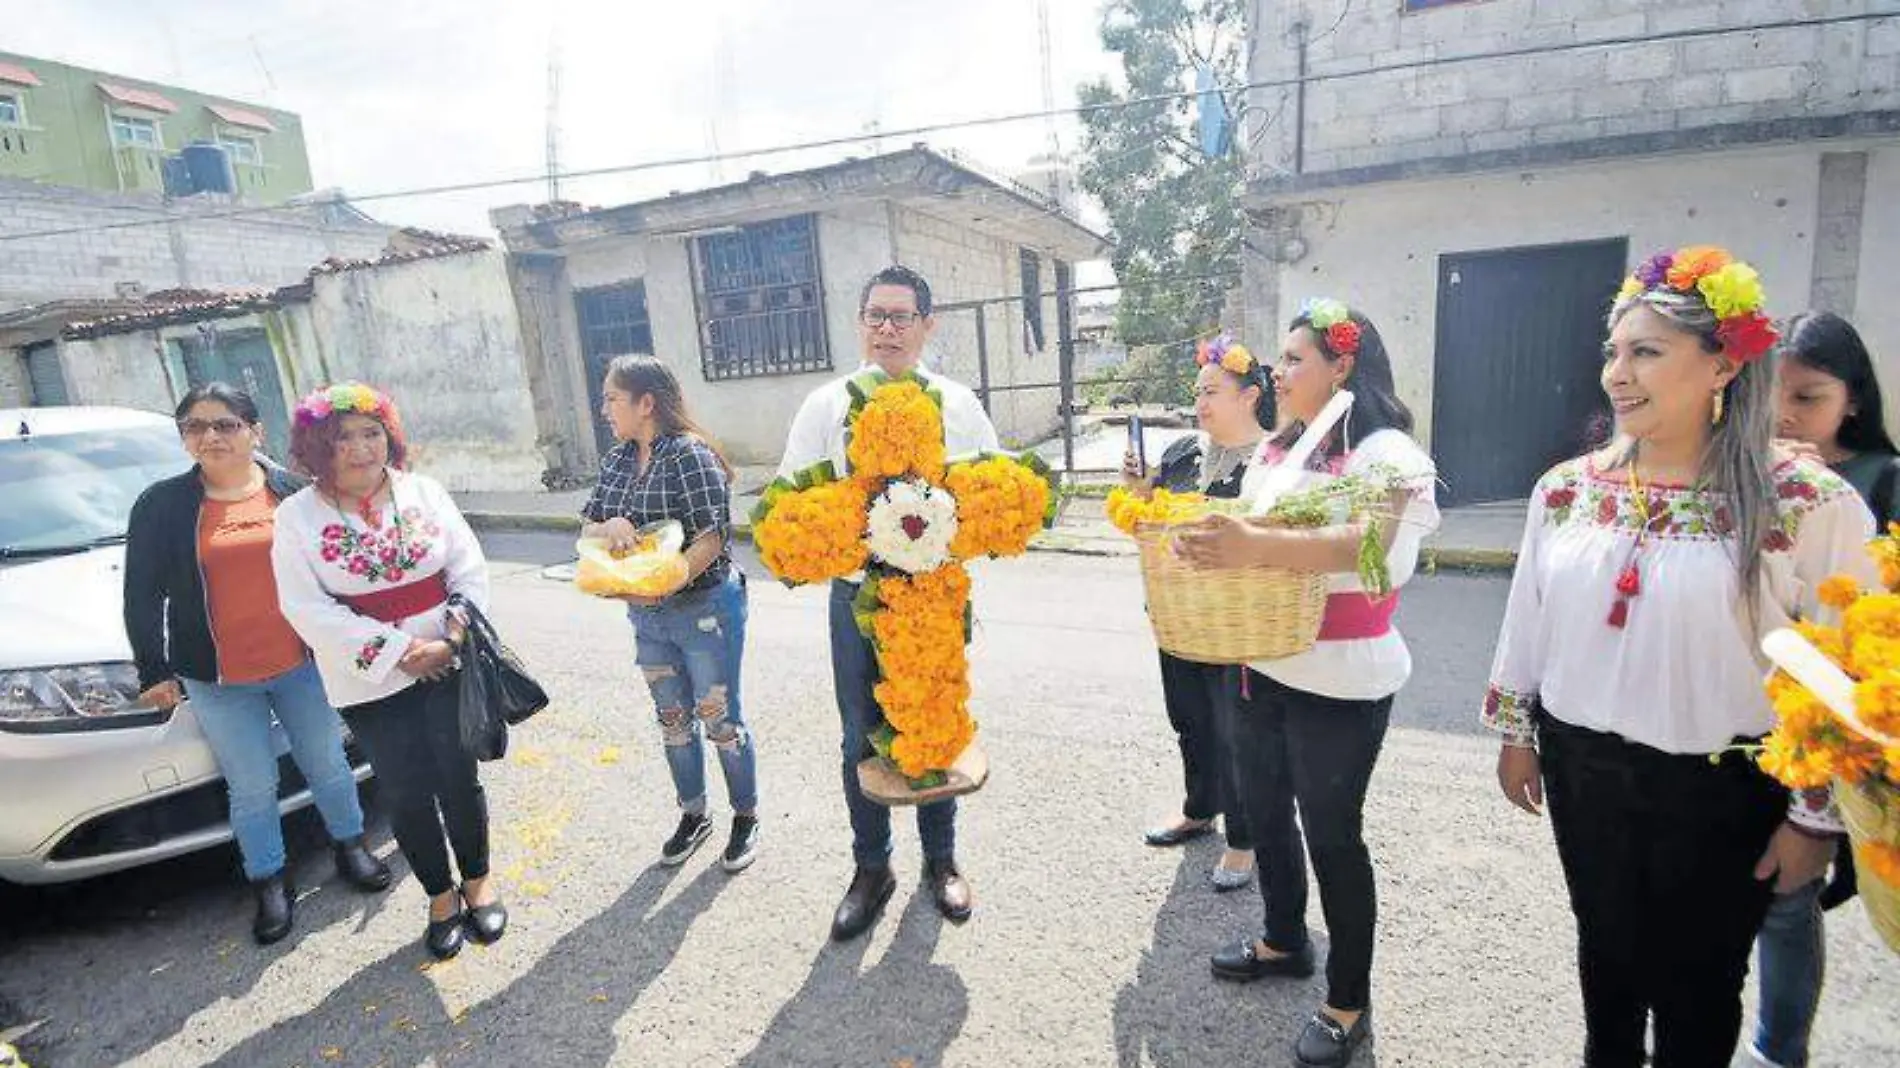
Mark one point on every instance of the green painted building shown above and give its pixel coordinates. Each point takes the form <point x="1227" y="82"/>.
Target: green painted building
<point x="69" y="126"/>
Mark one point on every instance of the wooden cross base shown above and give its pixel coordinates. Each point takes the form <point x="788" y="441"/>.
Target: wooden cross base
<point x="882" y="782"/>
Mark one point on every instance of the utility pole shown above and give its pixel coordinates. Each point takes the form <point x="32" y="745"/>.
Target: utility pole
<point x="1049" y="103"/>
<point x="554" y="112"/>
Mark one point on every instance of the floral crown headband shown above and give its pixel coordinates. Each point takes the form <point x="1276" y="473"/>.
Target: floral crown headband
<point x="342" y="398"/>
<point x="1730" y="287"/>
<point x="1231" y="355"/>
<point x="1333" y="320"/>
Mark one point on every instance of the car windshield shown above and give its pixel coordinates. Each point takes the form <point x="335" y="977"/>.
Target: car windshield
<point x="68" y="491"/>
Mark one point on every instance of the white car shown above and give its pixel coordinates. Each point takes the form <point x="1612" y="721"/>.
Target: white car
<point x="90" y="782"/>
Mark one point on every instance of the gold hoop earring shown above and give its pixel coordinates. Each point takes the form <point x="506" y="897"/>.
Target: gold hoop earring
<point x="1715" y="419"/>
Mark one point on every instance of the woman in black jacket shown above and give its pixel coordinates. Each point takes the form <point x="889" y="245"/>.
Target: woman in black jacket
<point x="202" y="616"/>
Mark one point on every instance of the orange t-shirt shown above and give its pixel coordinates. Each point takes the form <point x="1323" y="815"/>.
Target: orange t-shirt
<point x="254" y="640"/>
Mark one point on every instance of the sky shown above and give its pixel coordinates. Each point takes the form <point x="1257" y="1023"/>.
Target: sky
<point x="402" y="94"/>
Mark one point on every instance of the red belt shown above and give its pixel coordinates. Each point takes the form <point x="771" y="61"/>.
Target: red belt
<point x="1356" y="616"/>
<point x="398" y="603"/>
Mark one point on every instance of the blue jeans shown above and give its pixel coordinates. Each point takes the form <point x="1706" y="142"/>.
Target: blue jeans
<point x="854" y="678"/>
<point x="690" y="649"/>
<point x="236" y="720"/>
<point x="1792" y="956"/>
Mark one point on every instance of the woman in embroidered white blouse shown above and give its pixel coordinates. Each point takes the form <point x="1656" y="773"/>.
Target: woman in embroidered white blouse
<point x="1627" y="669"/>
<point x="366" y="559"/>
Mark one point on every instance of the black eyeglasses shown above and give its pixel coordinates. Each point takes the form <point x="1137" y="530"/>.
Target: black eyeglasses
<point x="876" y="317"/>
<point x="197" y="428"/>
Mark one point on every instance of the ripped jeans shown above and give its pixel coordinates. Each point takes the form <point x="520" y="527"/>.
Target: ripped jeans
<point x="690" y="649"/>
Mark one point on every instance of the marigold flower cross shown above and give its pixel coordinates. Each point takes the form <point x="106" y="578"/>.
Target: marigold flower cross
<point x="909" y="518"/>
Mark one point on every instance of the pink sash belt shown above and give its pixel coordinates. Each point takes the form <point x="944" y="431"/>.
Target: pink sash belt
<point x="1355" y="616"/>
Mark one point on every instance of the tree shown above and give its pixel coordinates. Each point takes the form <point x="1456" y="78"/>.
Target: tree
<point x="1174" y="211"/>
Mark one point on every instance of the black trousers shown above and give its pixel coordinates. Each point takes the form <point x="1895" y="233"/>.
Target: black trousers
<point x="1298" y="750"/>
<point x="1659" y="851"/>
<point x="414" y="742"/>
<point x="1200" y="700"/>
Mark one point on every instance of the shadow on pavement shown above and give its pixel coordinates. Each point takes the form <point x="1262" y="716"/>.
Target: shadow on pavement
<point x="561" y="1012"/>
<point x="1175" y="1014"/>
<point x="124" y="928"/>
<point x="904" y="1009"/>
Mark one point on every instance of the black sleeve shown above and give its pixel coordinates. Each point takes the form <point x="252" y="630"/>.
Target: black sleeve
<point x="595" y="510"/>
<point x="1180" y="468"/>
<point x="145" y="592"/>
<point x="1882" y="502"/>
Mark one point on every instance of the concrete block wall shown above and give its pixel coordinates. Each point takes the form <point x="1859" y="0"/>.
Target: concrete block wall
<point x="442" y="337"/>
<point x="195" y="248"/>
<point x="1356" y="120"/>
<point x="14" y="389"/>
<point x="121" y="370"/>
<point x="1378" y="245"/>
<point x="964" y="265"/>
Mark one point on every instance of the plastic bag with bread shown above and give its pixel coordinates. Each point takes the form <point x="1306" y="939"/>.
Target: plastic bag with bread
<point x="654" y="567"/>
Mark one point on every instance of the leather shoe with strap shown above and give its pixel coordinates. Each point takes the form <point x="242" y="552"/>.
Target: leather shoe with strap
<point x="870" y="889"/>
<point x="1242" y="963"/>
<point x="954" y="898"/>
<point x="1327" y="1043"/>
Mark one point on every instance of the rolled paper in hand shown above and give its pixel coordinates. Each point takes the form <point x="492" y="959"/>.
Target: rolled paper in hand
<point x="1283" y="475"/>
<point x="1824" y="679"/>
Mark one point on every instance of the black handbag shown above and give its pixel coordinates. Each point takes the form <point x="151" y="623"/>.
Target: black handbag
<point x="493" y="690"/>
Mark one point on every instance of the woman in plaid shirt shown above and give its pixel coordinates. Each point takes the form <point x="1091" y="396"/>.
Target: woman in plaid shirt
<point x="689" y="642"/>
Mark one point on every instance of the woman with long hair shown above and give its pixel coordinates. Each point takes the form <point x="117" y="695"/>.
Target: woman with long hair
<point x="202" y="614"/>
<point x="1828" y="400"/>
<point x="689" y="641"/>
<point x="1308" y="728"/>
<point x="1628" y="678"/>
<point x="1233" y="405"/>
<point x="367" y="558"/>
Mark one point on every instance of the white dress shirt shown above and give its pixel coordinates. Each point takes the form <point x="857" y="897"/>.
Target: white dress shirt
<point x="818" y="430"/>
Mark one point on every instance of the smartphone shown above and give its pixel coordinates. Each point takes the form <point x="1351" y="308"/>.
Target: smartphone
<point x="1138" y="444"/>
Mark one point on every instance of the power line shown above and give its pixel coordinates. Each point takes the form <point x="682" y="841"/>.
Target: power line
<point x="973" y="123"/>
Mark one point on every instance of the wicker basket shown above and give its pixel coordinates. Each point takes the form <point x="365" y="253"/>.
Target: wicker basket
<point x="1872" y="813"/>
<point x="1218" y="616"/>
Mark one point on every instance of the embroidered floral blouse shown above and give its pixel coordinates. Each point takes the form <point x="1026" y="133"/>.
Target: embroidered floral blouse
<point x="321" y="554"/>
<point x="1683" y="674"/>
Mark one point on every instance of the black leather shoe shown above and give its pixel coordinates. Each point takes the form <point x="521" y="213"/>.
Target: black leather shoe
<point x="1326" y="1043"/>
<point x="954" y="898"/>
<point x="445" y="937"/>
<point x="1180" y="834"/>
<point x="870" y="889"/>
<point x="1240" y="963"/>
<point x="359" y="867"/>
<point x="486" y="923"/>
<point x="276" y="908"/>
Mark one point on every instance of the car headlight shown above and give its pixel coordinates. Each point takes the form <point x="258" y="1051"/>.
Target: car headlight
<point x="47" y="697"/>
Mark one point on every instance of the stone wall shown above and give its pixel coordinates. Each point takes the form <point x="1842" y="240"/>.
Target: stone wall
<point x="1670" y="92"/>
<point x="195" y="248"/>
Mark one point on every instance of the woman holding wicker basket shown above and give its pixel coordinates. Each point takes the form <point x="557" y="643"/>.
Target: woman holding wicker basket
<point x="1308" y="727"/>
<point x="1233" y="404"/>
<point x="1627" y="685"/>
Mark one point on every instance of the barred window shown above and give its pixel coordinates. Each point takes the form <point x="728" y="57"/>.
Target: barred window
<point x="761" y="305"/>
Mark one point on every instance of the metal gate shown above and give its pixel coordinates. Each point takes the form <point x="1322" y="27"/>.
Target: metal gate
<point x="244" y="359"/>
<point x="1520" y="334"/>
<point x="614" y="322"/>
<point x="44" y="376"/>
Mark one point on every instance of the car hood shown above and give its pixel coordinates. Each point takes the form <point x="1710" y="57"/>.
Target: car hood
<point x="66" y="610"/>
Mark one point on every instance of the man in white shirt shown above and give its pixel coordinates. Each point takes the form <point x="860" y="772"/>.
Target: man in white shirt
<point x="894" y="321"/>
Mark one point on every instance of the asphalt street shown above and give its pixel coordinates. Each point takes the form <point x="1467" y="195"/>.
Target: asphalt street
<point x="1087" y="948"/>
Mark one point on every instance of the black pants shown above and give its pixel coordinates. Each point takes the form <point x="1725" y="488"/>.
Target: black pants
<point x="1300" y="749"/>
<point x="414" y="743"/>
<point x="1659" y="851"/>
<point x="1200" y="700"/>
